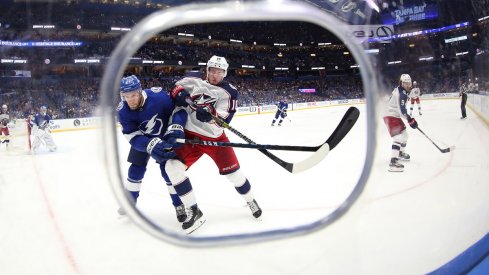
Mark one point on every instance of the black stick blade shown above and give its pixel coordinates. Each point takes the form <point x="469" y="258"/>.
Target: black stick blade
<point x="345" y="125"/>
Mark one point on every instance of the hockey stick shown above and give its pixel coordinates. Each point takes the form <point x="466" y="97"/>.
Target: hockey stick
<point x="338" y="134"/>
<point x="249" y="146"/>
<point x="286" y="115"/>
<point x="446" y="150"/>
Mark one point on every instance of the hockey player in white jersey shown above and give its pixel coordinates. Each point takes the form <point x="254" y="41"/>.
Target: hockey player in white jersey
<point x="213" y="97"/>
<point x="40" y="131"/>
<point x="4" y="121"/>
<point x="414" y="95"/>
<point x="396" y="109"/>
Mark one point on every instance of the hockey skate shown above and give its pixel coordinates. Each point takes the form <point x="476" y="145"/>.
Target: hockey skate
<point x="255" y="208"/>
<point x="181" y="214"/>
<point x="395" y="166"/>
<point x="194" y="220"/>
<point x="404" y="156"/>
<point x="273" y="124"/>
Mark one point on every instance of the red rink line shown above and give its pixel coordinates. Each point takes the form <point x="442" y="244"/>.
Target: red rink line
<point x="66" y="248"/>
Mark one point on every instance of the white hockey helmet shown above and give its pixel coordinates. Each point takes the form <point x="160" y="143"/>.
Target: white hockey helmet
<point x="43" y="109"/>
<point x="405" y="78"/>
<point x="4" y="107"/>
<point x="218" y="62"/>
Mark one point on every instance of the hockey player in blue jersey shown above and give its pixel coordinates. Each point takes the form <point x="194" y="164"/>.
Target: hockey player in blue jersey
<point x="282" y="107"/>
<point x="40" y="131"/>
<point x="151" y="124"/>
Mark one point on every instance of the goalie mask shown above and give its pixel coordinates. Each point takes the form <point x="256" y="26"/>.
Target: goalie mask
<point x="43" y="110"/>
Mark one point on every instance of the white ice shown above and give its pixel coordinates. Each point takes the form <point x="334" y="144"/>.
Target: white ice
<point x="58" y="214"/>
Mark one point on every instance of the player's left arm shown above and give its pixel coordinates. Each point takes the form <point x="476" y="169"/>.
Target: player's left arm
<point x="226" y="104"/>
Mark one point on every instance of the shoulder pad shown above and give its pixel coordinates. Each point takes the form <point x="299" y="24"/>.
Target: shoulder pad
<point x="120" y="106"/>
<point x="156" y="89"/>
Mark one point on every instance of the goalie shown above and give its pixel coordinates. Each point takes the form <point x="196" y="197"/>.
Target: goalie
<point x="40" y="131"/>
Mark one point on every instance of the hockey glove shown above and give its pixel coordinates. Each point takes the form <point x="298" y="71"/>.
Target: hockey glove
<point x="174" y="131"/>
<point x="205" y="113"/>
<point x="159" y="150"/>
<point x="179" y="96"/>
<point x="413" y="123"/>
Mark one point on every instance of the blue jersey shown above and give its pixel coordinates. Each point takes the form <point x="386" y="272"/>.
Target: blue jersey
<point x="282" y="106"/>
<point x="41" y="120"/>
<point x="151" y="119"/>
<point x="396" y="106"/>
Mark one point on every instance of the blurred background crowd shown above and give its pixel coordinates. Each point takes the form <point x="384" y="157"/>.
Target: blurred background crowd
<point x="54" y="53"/>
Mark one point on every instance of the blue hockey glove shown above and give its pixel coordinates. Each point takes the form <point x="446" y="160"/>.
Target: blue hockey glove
<point x="205" y="113"/>
<point x="173" y="132"/>
<point x="160" y="150"/>
<point x="179" y="96"/>
<point x="413" y="123"/>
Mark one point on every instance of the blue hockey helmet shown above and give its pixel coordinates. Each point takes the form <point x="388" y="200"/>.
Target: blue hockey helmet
<point x="130" y="83"/>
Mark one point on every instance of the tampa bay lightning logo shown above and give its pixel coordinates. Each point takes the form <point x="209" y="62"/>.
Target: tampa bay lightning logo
<point x="152" y="126"/>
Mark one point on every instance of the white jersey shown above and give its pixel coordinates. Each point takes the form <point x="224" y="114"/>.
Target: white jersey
<point x="415" y="93"/>
<point x="203" y="93"/>
<point x="4" y="120"/>
<point x="396" y="106"/>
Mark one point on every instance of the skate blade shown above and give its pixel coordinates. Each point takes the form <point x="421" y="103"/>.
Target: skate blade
<point x="395" y="170"/>
<point x="196" y="225"/>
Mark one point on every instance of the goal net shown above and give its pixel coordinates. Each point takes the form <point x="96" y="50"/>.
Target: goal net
<point x="20" y="141"/>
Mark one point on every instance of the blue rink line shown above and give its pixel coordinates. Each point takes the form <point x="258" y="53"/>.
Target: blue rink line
<point x="473" y="261"/>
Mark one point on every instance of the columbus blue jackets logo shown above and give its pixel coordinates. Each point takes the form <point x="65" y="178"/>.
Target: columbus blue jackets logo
<point x="203" y="99"/>
<point x="152" y="127"/>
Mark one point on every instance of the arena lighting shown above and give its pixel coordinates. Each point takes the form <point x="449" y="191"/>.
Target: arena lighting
<point x="458" y="38"/>
<point x="394" y="62"/>
<point x="120" y="29"/>
<point x="483" y="18"/>
<point x="461" y="53"/>
<point x="234" y="40"/>
<point x="248" y="66"/>
<point x="409" y="34"/>
<point x="313" y="54"/>
<point x="354" y="66"/>
<point x="426" y="58"/>
<point x="279" y="44"/>
<point x="318" y="68"/>
<point x="202" y="63"/>
<point x="281" y="69"/>
<point x="372" y="51"/>
<point x="323" y="44"/>
<point x="185" y="34"/>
